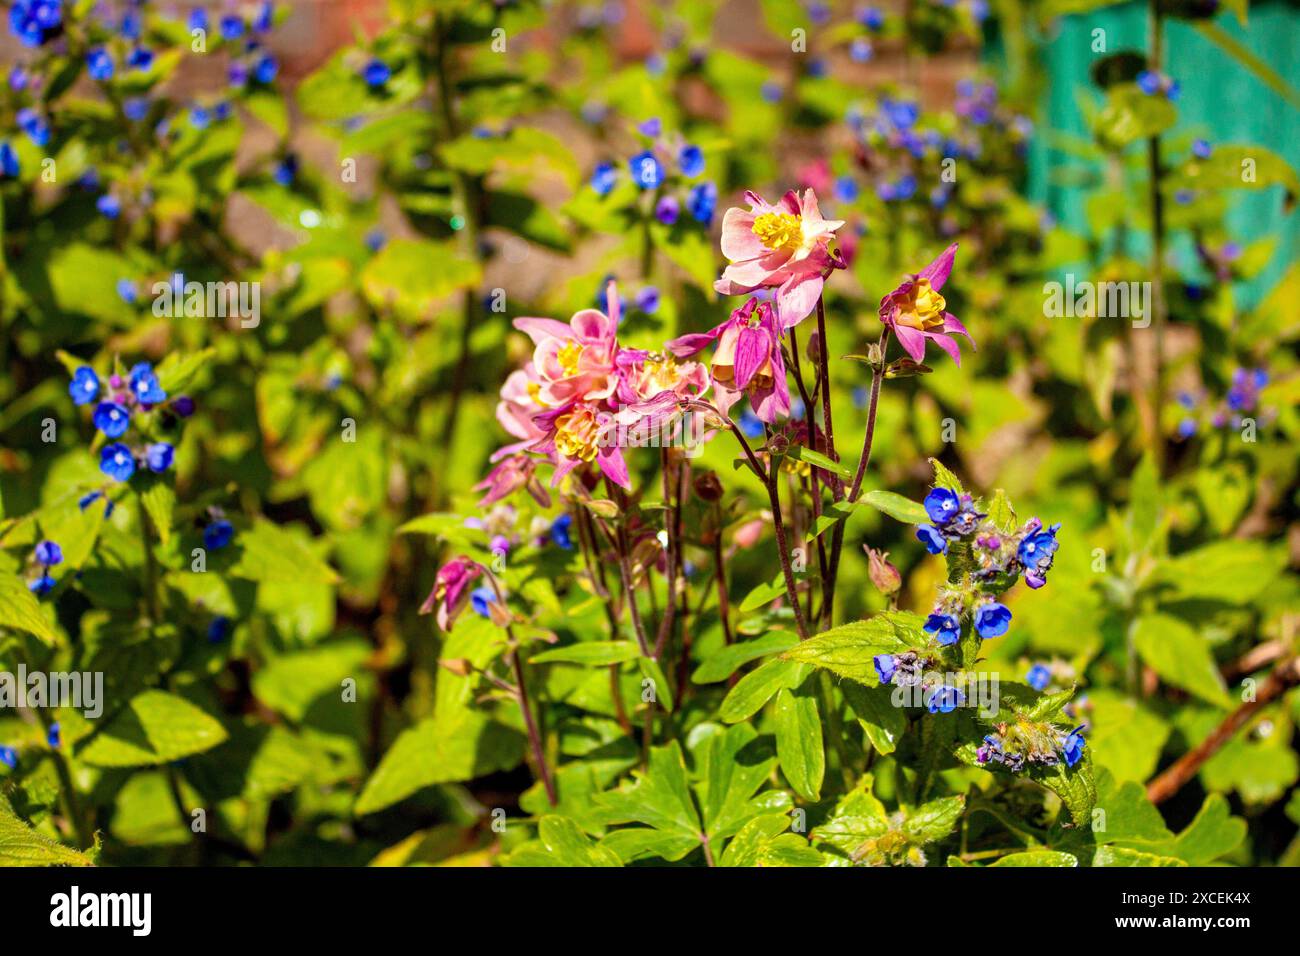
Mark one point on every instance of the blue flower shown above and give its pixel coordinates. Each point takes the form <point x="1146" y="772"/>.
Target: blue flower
<point x="992" y="619"/>
<point x="1201" y="149"/>
<point x="42" y="585"/>
<point x="232" y="27"/>
<point x="266" y="69"/>
<point x="944" y="700"/>
<point x="480" y="598"/>
<point x="871" y="18"/>
<point x="130" y="25"/>
<point x="603" y="178"/>
<point x="34" y="125"/>
<point x="1072" y="748"/>
<point x="560" y="531"/>
<point x="158" y="456"/>
<point x="49" y="554"/>
<point x="647" y="300"/>
<point x="99" y="64"/>
<point x="1148" y="82"/>
<point x="885" y="667"/>
<point x="89" y="499"/>
<point x="34" y="22"/>
<point x="136" y="108"/>
<point x="860" y="50"/>
<point x="198" y="19"/>
<point x="1038" y="677"/>
<point x="9" y="757"/>
<point x="751" y="426"/>
<point x="651" y="127"/>
<point x="265" y="15"/>
<point x="218" y="534"/>
<point x="945" y="628"/>
<point x="144" y="385"/>
<point x="941" y="504"/>
<point x="690" y="161"/>
<point x="126" y="291"/>
<point x="117" y="462"/>
<point x="667" y="210"/>
<point x="218" y="629"/>
<point x="846" y="189"/>
<point x="141" y="58"/>
<point x="647" y="171"/>
<point x="9" y="165"/>
<point x="112" y="419"/>
<point x="701" y="202"/>
<point x="52" y="736"/>
<point x="934" y="542"/>
<point x="770" y="91"/>
<point x="1035" y="553"/>
<point x="377" y="73"/>
<point x="109" y="206"/>
<point x="285" y="171"/>
<point x="84" y="385"/>
<point x="183" y="406"/>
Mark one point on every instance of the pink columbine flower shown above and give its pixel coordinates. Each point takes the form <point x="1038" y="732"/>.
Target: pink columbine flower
<point x="574" y="362"/>
<point x="450" y="591"/>
<point x="785" y="246"/>
<point x="578" y="433"/>
<point x="915" y="311"/>
<point x="510" y="473"/>
<point x="747" y="360"/>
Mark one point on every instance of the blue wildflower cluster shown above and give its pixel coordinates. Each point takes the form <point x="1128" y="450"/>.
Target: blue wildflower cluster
<point x="1153" y="83"/>
<point x="997" y="556"/>
<point x="127" y="399"/>
<point x="36" y="22"/>
<point x="47" y="555"/>
<point x="665" y="160"/>
<point x="1240" y="402"/>
<point x="1026" y="743"/>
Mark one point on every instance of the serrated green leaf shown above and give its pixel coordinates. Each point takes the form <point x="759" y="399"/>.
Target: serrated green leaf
<point x="20" y="609"/>
<point x="848" y="650"/>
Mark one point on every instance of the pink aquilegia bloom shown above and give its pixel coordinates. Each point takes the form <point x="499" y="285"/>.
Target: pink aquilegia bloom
<point x="915" y="311"/>
<point x="581" y="433"/>
<point x="574" y="362"/>
<point x="785" y="247"/>
<point x="451" y="590"/>
<point x="747" y="360"/>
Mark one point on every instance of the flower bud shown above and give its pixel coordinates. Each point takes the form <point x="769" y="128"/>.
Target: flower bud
<point x="708" y="487"/>
<point x="883" y="574"/>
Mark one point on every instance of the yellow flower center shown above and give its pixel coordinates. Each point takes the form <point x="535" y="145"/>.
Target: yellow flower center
<point x="779" y="231"/>
<point x="659" y="374"/>
<point x="923" y="307"/>
<point x="577" y="435"/>
<point x="568" y="358"/>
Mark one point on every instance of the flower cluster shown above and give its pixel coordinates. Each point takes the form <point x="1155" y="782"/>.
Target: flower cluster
<point x="36" y="22"/>
<point x="579" y="387"/>
<point x="1029" y="550"/>
<point x="662" y="159"/>
<point x="1240" y="403"/>
<point x="138" y="393"/>
<point x="1014" y="746"/>
<point x="47" y="555"/>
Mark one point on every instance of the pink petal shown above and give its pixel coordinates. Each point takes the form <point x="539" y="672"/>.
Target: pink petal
<point x="797" y="297"/>
<point x="938" y="270"/>
<point x="592" y="325"/>
<point x="951" y="324"/>
<point x="912" y="341"/>
<point x="947" y="343"/>
<point x="752" y="347"/>
<point x="613" y="466"/>
<point x="738" y="239"/>
<point x="692" y="342"/>
<point x="539" y="330"/>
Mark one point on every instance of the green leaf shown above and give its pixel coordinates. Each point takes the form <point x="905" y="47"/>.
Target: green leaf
<point x="816" y="458"/>
<point x="943" y="478"/>
<point x="20" y="845"/>
<point x="1214" y="833"/>
<point x="178" y="370"/>
<point x="1180" y="656"/>
<point x="757" y="687"/>
<point x="412" y="278"/>
<point x="154" y="728"/>
<point x="848" y="650"/>
<point x="933" y="821"/>
<point x="880" y="719"/>
<point x="1001" y="513"/>
<point x="1120" y="856"/>
<point x="19" y="609"/>
<point x="799" y="744"/>
<point x="272" y="552"/>
<point x="158" y="495"/>
<point x="1037" y="858"/>
<point x="639" y="843"/>
<point x="659" y="798"/>
<point x="733" y="765"/>
<point x="562" y="843"/>
<point x="896" y="506"/>
<point x="1234" y="571"/>
<point x="1131" y="115"/>
<point x="725" y="662"/>
<point x="763" y="594"/>
<point x="591" y="653"/>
